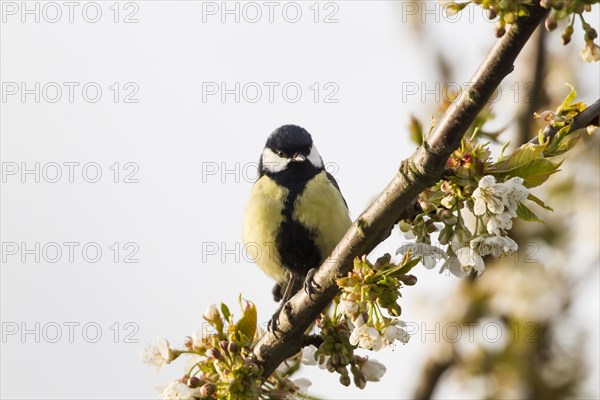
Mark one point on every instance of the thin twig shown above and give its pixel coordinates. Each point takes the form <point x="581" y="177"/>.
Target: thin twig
<point x="587" y="117"/>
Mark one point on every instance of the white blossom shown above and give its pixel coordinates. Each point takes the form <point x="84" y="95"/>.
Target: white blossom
<point x="197" y="337"/>
<point x="516" y="193"/>
<point x="373" y="370"/>
<point x="470" y="260"/>
<point x="430" y="254"/>
<point x="489" y="195"/>
<point x="212" y="313"/>
<point x="175" y="391"/>
<point x="348" y="307"/>
<point x="308" y="355"/>
<point x="395" y="332"/>
<point x="495" y="245"/>
<point x="309" y="358"/>
<point x="497" y="222"/>
<point x="302" y="385"/>
<point x="408" y="235"/>
<point x="465" y="261"/>
<point x="367" y="337"/>
<point x="157" y="355"/>
<point x="590" y="53"/>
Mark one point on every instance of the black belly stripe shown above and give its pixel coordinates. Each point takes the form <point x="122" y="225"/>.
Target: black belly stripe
<point x="296" y="243"/>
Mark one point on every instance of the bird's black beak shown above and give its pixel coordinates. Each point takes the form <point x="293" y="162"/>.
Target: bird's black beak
<point x="299" y="157"/>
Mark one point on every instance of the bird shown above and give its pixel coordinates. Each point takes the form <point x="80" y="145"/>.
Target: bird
<point x="295" y="215"/>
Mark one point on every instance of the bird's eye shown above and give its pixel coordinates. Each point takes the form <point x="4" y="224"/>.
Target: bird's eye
<point x="280" y="153"/>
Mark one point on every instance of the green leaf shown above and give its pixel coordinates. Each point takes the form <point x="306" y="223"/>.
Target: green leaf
<point x="246" y="326"/>
<point x="526" y="214"/>
<point x="225" y="311"/>
<point x="524" y="154"/>
<point x="562" y="146"/>
<point x="534" y="172"/>
<point x="415" y="128"/>
<point x="405" y="269"/>
<point x="569" y="99"/>
<point x="539" y="202"/>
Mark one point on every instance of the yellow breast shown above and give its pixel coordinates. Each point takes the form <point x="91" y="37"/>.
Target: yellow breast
<point x="320" y="208"/>
<point x="261" y="222"/>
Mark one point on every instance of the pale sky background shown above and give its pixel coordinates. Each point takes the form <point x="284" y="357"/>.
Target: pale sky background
<point x="175" y="213"/>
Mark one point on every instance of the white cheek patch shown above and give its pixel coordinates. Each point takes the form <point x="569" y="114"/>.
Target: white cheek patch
<point x="272" y="162"/>
<point x="314" y="157"/>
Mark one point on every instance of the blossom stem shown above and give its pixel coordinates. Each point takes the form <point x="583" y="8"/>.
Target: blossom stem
<point x="371" y="313"/>
<point x="194" y="366"/>
<point x="379" y="314"/>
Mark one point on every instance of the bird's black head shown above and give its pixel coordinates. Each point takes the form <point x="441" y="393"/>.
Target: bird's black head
<point x="290" y="140"/>
<point x="290" y="155"/>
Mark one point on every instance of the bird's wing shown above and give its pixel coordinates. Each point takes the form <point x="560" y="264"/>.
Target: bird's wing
<point x="332" y="179"/>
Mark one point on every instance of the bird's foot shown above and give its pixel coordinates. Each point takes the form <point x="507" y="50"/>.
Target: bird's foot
<point x="274" y="322"/>
<point x="273" y="326"/>
<point x="277" y="293"/>
<point x="309" y="282"/>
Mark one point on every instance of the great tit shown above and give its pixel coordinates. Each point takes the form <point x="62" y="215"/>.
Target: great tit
<point x="296" y="214"/>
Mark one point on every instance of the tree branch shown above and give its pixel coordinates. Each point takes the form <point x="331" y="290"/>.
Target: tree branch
<point x="587" y="117"/>
<point x="422" y="170"/>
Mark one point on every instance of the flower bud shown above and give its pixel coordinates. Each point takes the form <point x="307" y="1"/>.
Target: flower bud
<point x="491" y="14"/>
<point x="335" y="359"/>
<point x="223" y="344"/>
<point x="344" y="334"/>
<point x="427" y="207"/>
<point x="445" y="235"/>
<point x="214" y="353"/>
<point x="345" y="380"/>
<point x="404" y="226"/>
<point x="566" y="35"/>
<point x="381" y="261"/>
<point x="408" y="280"/>
<point x="208" y="389"/>
<point x="344" y="360"/>
<point x="330" y="367"/>
<point x="195" y="382"/>
<point x="450" y="220"/>
<point x="233" y="348"/>
<point x="500" y="31"/>
<point x="252" y="367"/>
<point x="590" y="35"/>
<point x="449" y="201"/>
<point x="212" y="313"/>
<point x="550" y="24"/>
<point x="395" y="310"/>
<point x="360" y="381"/>
<point x="321" y="359"/>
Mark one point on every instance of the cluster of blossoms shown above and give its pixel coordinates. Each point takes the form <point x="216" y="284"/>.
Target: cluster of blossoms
<point x="508" y="13"/>
<point x="366" y="291"/>
<point x="220" y="365"/>
<point x="336" y="354"/>
<point x="471" y="210"/>
<point x="494" y="199"/>
<point x="358" y="320"/>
